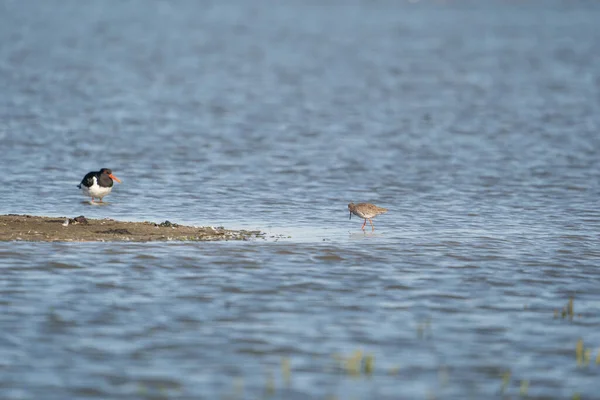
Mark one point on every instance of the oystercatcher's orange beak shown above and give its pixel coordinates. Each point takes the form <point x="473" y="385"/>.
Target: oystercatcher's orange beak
<point x="114" y="178"/>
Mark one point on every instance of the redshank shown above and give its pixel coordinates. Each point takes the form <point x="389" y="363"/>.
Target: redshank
<point x="366" y="211"/>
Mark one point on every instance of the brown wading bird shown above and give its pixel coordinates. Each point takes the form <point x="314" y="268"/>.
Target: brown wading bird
<point x="366" y="211"/>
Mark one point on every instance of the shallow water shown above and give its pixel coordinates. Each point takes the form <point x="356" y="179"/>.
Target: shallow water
<point x="477" y="124"/>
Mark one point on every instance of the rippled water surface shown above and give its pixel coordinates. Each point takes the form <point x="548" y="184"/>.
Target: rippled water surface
<point x="476" y="123"/>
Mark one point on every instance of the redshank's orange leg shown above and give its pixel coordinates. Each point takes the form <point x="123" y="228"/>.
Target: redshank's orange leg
<point x="363" y="227"/>
<point x="372" y="227"/>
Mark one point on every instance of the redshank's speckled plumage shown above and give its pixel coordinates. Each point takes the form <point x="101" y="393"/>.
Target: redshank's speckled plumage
<point x="367" y="211"/>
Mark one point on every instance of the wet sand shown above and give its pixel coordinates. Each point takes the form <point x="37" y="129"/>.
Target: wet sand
<point x="80" y="229"/>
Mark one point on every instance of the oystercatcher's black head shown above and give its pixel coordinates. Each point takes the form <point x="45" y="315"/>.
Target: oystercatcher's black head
<point x="108" y="171"/>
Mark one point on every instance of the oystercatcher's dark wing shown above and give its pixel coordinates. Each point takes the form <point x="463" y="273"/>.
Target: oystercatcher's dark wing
<point x="88" y="180"/>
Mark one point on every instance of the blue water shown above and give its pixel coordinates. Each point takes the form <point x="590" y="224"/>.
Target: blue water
<point x="476" y="123"/>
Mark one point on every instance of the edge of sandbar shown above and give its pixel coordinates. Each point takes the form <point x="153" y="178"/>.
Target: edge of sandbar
<point x="15" y="227"/>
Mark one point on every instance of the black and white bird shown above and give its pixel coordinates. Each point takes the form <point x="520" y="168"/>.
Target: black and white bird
<point x="98" y="184"/>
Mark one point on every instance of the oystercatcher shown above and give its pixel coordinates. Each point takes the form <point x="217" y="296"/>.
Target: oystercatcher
<point x="366" y="211"/>
<point x="98" y="184"/>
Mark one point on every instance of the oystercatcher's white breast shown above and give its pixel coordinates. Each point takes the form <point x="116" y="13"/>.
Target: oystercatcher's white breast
<point x="95" y="190"/>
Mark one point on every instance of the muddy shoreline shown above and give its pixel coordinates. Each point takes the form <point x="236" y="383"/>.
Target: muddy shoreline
<point x="81" y="229"/>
